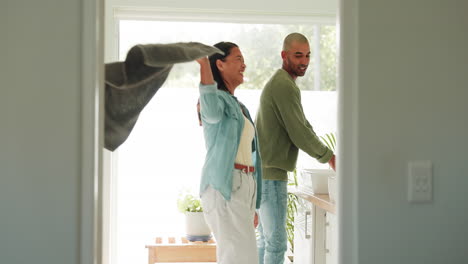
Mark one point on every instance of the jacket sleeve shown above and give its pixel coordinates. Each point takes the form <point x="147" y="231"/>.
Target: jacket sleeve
<point x="211" y="105"/>
<point x="301" y="133"/>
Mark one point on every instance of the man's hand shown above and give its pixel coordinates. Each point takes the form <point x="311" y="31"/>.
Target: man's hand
<point x="331" y="162"/>
<point x="256" y="220"/>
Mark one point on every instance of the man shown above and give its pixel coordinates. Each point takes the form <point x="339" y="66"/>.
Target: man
<point x="282" y="130"/>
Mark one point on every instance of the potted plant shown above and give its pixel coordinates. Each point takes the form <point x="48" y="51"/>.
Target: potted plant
<point x="290" y="215"/>
<point x="196" y="228"/>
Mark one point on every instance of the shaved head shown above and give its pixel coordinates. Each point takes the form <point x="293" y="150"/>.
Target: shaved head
<point x="293" y="37"/>
<point x="295" y="55"/>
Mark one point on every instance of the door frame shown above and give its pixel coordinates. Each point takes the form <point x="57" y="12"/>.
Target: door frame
<point x="92" y="127"/>
<point x="348" y="131"/>
<point x="92" y="245"/>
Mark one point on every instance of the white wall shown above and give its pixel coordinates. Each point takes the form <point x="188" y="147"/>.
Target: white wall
<point x="412" y="78"/>
<point x="41" y="132"/>
<point x="408" y="99"/>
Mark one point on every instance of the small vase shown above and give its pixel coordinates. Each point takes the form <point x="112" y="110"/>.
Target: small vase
<point x="196" y="228"/>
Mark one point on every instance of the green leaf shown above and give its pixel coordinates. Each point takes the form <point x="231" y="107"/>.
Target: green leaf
<point x="329" y="140"/>
<point x="187" y="202"/>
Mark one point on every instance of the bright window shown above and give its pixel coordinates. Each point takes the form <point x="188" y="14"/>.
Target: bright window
<point x="165" y="152"/>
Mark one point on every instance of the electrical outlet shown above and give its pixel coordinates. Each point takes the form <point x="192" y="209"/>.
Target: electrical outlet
<point x="420" y="181"/>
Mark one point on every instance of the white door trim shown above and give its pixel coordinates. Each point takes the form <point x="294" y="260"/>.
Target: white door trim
<point x="92" y="87"/>
<point x="348" y="131"/>
<point x="227" y="15"/>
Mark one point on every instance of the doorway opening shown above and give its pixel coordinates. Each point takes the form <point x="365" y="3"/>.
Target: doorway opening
<point x="164" y="153"/>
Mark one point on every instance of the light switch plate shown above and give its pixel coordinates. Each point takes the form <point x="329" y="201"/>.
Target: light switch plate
<point x="420" y="181"/>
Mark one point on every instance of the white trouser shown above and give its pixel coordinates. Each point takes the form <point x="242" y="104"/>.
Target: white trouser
<point x="232" y="222"/>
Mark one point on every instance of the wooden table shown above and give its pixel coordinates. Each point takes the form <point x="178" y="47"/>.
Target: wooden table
<point x="179" y="249"/>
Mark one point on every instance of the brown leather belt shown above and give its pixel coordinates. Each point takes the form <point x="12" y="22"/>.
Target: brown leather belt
<point x="244" y="168"/>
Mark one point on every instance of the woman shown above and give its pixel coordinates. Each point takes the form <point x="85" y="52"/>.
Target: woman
<point x="231" y="176"/>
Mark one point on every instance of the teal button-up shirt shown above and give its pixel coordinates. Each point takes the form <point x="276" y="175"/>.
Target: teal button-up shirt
<point x="223" y="122"/>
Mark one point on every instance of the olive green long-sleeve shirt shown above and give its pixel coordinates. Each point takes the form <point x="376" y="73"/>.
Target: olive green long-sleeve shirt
<point x="283" y="128"/>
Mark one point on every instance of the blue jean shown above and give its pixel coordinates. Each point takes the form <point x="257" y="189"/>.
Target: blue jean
<point x="272" y="241"/>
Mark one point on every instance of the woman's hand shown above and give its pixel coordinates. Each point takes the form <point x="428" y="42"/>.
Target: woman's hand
<point x="206" y="76"/>
<point x="203" y="60"/>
